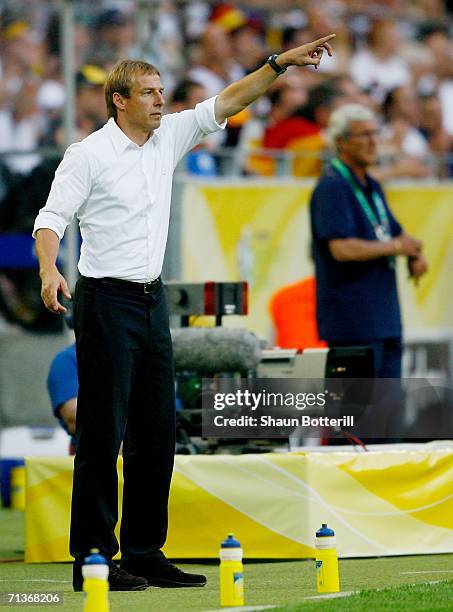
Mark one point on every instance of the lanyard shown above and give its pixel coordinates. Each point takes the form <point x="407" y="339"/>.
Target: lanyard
<point x="381" y="227"/>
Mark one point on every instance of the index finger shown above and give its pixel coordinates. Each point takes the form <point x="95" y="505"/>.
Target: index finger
<point x="57" y="307"/>
<point x="321" y="41"/>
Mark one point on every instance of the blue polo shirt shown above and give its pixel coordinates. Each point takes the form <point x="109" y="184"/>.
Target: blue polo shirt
<point x="356" y="300"/>
<point x="62" y="380"/>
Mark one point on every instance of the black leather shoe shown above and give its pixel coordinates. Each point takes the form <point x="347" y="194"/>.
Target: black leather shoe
<point x="119" y="580"/>
<point x="166" y="576"/>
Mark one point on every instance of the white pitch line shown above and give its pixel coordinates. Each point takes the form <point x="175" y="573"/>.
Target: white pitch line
<point x="333" y="595"/>
<point x="324" y="596"/>
<point x="37" y="580"/>
<point x="244" y="608"/>
<point x="428" y="572"/>
<point x="330" y="595"/>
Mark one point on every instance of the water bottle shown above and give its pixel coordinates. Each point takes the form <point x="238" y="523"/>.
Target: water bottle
<point x="231" y="573"/>
<point x="327" y="576"/>
<point x="95" y="572"/>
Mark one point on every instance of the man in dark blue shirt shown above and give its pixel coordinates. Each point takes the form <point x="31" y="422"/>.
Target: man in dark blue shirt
<point x="63" y="387"/>
<point x="356" y="239"/>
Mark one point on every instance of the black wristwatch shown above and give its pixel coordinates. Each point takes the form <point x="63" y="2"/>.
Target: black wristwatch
<point x="272" y="61"/>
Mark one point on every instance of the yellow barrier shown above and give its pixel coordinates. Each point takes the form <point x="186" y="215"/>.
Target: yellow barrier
<point x="379" y="503"/>
<point x="18" y="488"/>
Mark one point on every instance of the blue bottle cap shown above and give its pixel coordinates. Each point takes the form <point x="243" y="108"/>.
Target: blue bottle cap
<point x="325" y="532"/>
<point x="231" y="542"/>
<point x="95" y="558"/>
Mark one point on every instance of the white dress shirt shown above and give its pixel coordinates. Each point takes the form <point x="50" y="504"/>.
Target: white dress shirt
<point x="121" y="193"/>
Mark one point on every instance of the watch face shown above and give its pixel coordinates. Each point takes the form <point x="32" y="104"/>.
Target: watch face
<point x="272" y="62"/>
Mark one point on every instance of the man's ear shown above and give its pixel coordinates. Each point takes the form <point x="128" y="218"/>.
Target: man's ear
<point x="118" y="101"/>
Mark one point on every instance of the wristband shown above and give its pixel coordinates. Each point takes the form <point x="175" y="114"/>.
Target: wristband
<point x="271" y="60"/>
<point x="397" y="246"/>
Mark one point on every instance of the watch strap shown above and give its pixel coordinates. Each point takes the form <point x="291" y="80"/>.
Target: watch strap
<point x="272" y="61"/>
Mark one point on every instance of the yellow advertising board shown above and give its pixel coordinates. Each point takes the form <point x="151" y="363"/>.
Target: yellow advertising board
<point x="378" y="503"/>
<point x="261" y="233"/>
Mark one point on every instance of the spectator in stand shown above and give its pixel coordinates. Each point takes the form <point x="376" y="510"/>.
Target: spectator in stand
<point x="436" y="9"/>
<point x="187" y="94"/>
<point x="431" y="126"/>
<point x="352" y="92"/>
<point x="199" y="161"/>
<point x="378" y="69"/>
<point x="327" y="17"/>
<point x="409" y="42"/>
<point x="228" y="17"/>
<point x="89" y="106"/>
<point x="82" y="43"/>
<point x="436" y="37"/>
<point x="297" y="122"/>
<point x="286" y="96"/>
<point x="402" y="143"/>
<point x="249" y="48"/>
<point x="215" y="67"/>
<point x="303" y="131"/>
<point x="21" y="61"/>
<point x="322" y="100"/>
<point x="248" y="52"/>
<point x="114" y="37"/>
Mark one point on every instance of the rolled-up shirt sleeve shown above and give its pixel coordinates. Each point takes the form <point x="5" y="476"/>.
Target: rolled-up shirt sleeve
<point x="189" y="127"/>
<point x="69" y="191"/>
<point x="205" y="115"/>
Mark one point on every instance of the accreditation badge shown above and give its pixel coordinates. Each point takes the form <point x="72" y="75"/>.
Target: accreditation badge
<point x="381" y="233"/>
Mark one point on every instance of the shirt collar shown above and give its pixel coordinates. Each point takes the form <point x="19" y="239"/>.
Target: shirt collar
<point x="120" y="140"/>
<point x="369" y="184"/>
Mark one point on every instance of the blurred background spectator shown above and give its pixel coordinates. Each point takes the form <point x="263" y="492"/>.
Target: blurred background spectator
<point x="395" y="56"/>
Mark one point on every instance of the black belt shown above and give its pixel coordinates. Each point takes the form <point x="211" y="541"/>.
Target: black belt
<point x="130" y="286"/>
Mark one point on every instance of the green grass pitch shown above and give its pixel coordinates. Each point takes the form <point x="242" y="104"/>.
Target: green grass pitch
<point x="393" y="584"/>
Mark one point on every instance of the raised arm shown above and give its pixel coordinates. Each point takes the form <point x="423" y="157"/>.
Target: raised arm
<point x="240" y="94"/>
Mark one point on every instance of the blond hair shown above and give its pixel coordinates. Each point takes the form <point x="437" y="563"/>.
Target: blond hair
<point x="121" y="78"/>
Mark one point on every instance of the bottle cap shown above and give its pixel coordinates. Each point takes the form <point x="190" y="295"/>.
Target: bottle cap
<point x="231" y="542"/>
<point x="95" y="558"/>
<point x="325" y="532"/>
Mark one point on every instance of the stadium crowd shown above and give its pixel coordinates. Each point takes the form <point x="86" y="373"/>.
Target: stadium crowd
<point x="394" y="56"/>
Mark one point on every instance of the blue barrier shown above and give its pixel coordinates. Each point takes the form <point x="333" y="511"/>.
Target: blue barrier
<point x="6" y="465"/>
<point x="17" y="251"/>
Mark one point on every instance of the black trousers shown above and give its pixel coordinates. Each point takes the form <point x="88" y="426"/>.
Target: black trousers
<point x="126" y="392"/>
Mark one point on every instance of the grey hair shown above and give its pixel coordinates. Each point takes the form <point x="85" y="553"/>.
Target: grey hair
<point x="341" y="119"/>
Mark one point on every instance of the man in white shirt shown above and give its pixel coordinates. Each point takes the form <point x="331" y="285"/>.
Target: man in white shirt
<point x="377" y="68"/>
<point x="118" y="182"/>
